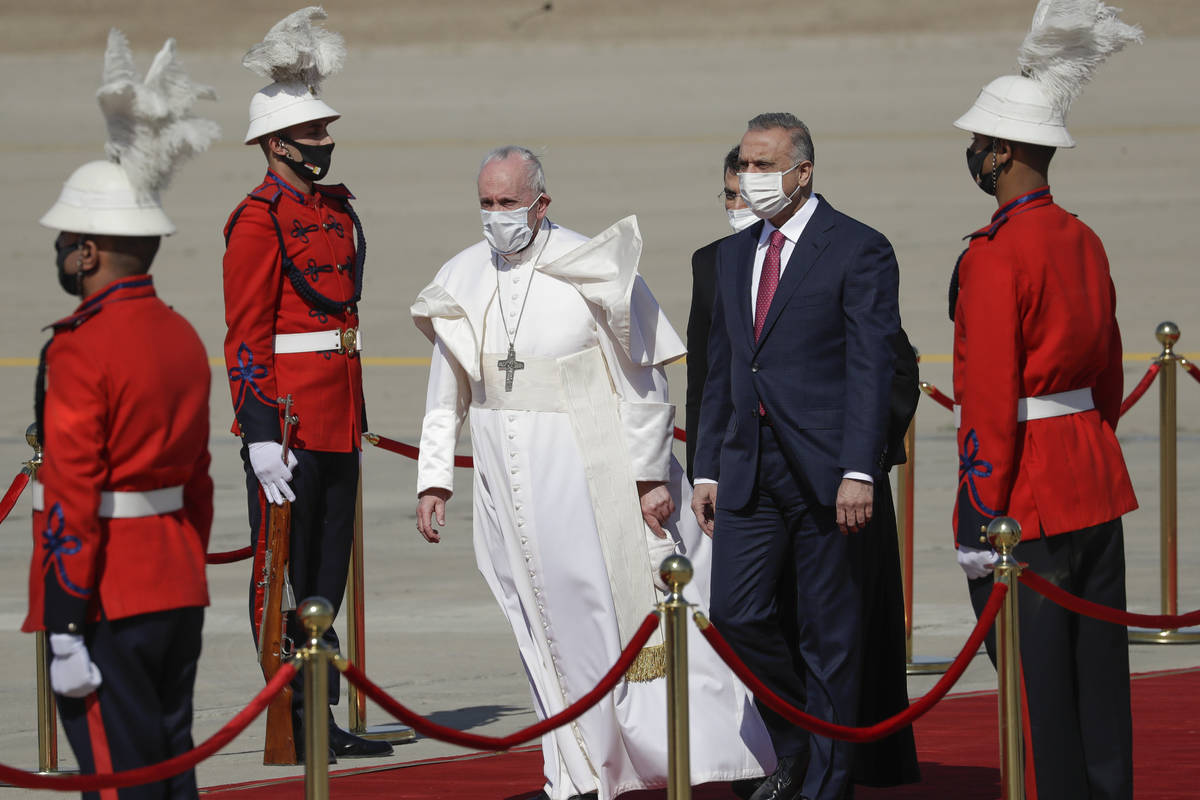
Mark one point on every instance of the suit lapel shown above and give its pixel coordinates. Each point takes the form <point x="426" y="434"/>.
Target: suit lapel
<point x="804" y="256"/>
<point x="746" y="246"/>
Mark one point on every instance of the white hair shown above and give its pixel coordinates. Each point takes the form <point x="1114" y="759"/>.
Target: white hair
<point x="534" y="176"/>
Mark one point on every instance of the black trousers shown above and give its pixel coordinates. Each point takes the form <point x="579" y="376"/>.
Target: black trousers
<point x="142" y="712"/>
<point x="785" y="529"/>
<point x="1076" y="668"/>
<point x="326" y="489"/>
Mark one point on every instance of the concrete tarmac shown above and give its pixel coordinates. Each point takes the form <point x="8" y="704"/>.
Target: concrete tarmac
<point x="628" y="123"/>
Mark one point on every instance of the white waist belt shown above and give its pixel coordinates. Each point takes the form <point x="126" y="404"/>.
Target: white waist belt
<point x="537" y="385"/>
<point x="1059" y="404"/>
<point x="126" y="505"/>
<point x="342" y="341"/>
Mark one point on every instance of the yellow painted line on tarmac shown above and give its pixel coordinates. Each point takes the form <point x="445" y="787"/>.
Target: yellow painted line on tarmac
<point x="423" y="361"/>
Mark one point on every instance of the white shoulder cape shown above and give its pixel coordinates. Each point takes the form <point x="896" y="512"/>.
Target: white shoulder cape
<point x="602" y="269"/>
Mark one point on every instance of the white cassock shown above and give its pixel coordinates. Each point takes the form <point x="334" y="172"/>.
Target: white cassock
<point x="558" y="529"/>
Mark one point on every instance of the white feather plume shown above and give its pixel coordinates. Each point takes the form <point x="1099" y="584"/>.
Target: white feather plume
<point x="1069" y="39"/>
<point x="151" y="129"/>
<point x="296" y="50"/>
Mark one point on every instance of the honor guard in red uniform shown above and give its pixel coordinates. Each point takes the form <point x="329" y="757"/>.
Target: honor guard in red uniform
<point x="1038" y="380"/>
<point x="293" y="277"/>
<point x="123" y="506"/>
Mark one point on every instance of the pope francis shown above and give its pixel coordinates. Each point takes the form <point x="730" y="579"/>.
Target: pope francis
<point x="553" y="347"/>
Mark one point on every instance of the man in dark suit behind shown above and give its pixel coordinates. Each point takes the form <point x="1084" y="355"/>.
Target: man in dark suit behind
<point x="704" y="282"/>
<point x="793" y="429"/>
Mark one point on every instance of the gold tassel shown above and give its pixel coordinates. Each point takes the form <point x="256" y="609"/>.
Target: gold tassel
<point x="649" y="665"/>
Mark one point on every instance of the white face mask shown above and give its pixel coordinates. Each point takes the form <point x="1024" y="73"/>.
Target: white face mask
<point x="763" y="192"/>
<point x="508" y="231"/>
<point x="741" y="218"/>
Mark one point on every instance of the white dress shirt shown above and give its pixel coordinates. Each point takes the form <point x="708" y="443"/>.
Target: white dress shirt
<point x="791" y="230"/>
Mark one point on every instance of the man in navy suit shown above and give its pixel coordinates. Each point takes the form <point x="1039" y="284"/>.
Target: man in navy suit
<point x="793" y="431"/>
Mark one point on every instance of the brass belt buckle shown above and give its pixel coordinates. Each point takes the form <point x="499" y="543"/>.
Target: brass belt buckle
<point x="349" y="341"/>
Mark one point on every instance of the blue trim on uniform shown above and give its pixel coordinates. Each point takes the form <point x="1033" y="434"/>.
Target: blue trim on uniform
<point x="1010" y="210"/>
<point x="247" y="374"/>
<point x="283" y="185"/>
<point x="301" y="232"/>
<point x="58" y="545"/>
<point x="970" y="467"/>
<point x="124" y="283"/>
<point x="1037" y="194"/>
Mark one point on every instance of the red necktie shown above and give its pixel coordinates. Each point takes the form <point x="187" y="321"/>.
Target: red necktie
<point x="768" y="281"/>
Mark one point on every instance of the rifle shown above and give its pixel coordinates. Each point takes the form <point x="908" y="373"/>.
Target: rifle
<point x="280" y="745"/>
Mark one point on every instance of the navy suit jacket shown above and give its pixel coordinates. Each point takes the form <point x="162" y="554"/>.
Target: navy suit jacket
<point x="704" y="286"/>
<point x="822" y="368"/>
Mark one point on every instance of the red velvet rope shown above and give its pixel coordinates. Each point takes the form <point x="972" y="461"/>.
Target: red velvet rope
<point x="412" y="451"/>
<point x="229" y="556"/>
<point x="881" y="729"/>
<point x="163" y="770"/>
<point x="14" y="491"/>
<point x="1141" y="388"/>
<point x="936" y="395"/>
<point x="568" y="714"/>
<point x="1060" y="596"/>
<point x="1192" y="369"/>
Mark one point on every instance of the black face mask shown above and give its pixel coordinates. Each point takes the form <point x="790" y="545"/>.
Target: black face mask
<point x="71" y="284"/>
<point x="975" y="162"/>
<point x="314" y="158"/>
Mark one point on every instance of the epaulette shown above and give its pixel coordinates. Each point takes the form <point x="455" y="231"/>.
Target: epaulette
<point x="75" y="320"/>
<point x="268" y="192"/>
<point x="338" y="190"/>
<point x="989" y="231"/>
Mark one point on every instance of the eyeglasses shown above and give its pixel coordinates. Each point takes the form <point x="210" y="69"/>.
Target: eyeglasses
<point x="727" y="196"/>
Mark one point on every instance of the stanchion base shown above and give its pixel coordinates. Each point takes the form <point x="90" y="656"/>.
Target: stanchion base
<point x="390" y="732"/>
<point x="927" y="666"/>
<point x="1158" y="636"/>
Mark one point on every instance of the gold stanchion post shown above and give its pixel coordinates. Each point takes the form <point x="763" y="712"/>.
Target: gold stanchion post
<point x="905" y="530"/>
<point x="1167" y="334"/>
<point x="316" y="615"/>
<point x="47" y="716"/>
<point x="1004" y="534"/>
<point x="676" y="572"/>
<point x="356" y="637"/>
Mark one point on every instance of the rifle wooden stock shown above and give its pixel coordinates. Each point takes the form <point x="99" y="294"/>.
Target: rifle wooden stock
<point x="280" y="745"/>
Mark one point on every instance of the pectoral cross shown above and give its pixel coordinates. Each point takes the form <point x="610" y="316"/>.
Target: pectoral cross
<point x="510" y="365"/>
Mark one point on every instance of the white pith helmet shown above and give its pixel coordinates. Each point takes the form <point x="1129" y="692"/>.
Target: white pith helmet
<point x="99" y="198"/>
<point x="297" y="55"/>
<point x="151" y="131"/>
<point x="1015" y="108"/>
<point x="282" y="105"/>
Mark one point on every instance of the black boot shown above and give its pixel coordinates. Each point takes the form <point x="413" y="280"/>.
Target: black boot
<point x="344" y="744"/>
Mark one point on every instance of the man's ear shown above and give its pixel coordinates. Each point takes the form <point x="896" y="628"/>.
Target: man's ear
<point x="1004" y="151"/>
<point x="88" y="255"/>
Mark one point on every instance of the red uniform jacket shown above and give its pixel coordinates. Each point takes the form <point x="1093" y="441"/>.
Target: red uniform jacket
<point x="1035" y="316"/>
<point x="294" y="264"/>
<point x="125" y="408"/>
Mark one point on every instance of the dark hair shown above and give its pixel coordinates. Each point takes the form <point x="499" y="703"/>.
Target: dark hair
<point x="731" y="160"/>
<point x="802" y="145"/>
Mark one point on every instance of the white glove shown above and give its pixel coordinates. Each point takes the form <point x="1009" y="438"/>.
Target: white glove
<point x="976" y="563"/>
<point x="72" y="673"/>
<point x="266" y="459"/>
